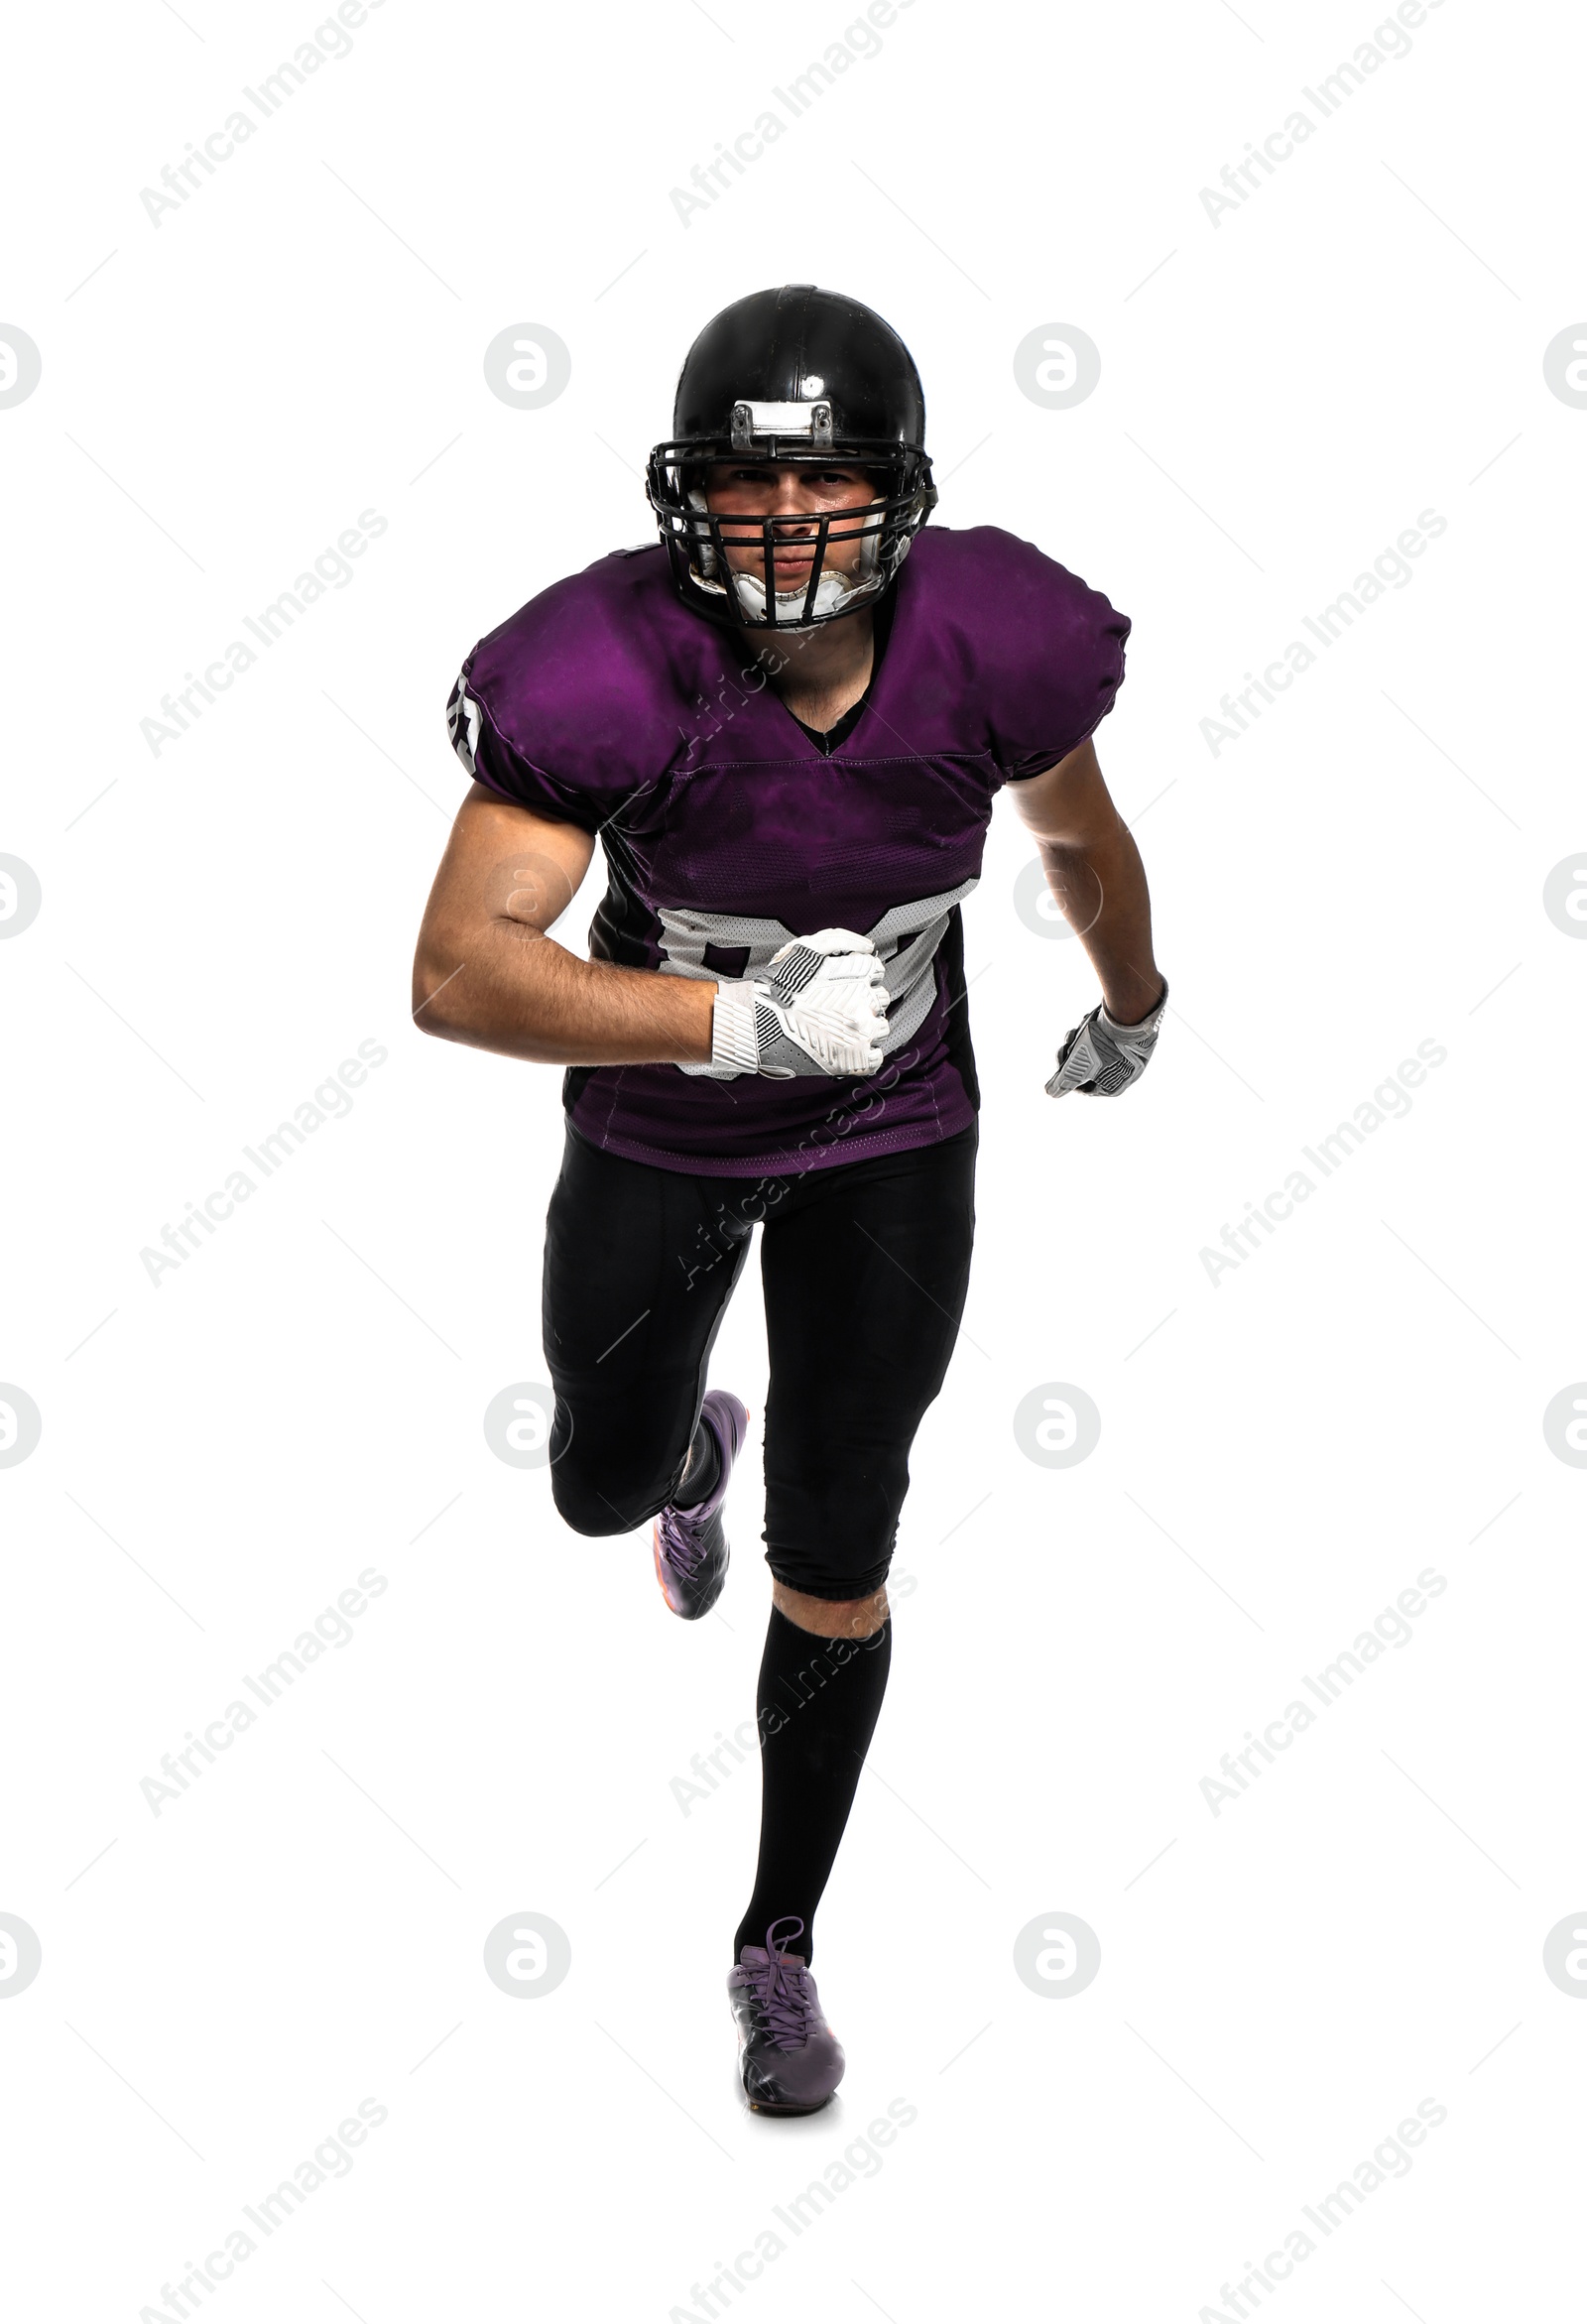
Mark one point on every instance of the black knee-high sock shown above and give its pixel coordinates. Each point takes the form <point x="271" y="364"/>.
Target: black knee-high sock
<point x="817" y="1704"/>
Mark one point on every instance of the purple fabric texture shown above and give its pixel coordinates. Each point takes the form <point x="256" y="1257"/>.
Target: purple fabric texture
<point x="605" y="702"/>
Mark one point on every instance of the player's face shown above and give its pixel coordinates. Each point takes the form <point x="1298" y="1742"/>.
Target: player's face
<point x="796" y="495"/>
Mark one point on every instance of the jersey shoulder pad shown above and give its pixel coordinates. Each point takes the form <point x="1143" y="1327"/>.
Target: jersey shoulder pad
<point x="570" y="706"/>
<point x="1043" y="652"/>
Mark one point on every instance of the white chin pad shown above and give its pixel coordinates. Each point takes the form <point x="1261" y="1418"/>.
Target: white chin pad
<point x="831" y="591"/>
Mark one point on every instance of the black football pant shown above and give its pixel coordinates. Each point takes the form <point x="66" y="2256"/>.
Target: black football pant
<point x="864" y="1268"/>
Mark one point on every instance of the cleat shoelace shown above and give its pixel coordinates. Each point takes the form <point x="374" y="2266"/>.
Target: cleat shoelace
<point x="682" y="1544"/>
<point x="783" y="2000"/>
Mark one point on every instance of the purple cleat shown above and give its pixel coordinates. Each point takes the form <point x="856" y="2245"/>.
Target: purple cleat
<point x="789" y="2058"/>
<point x="692" y="1544"/>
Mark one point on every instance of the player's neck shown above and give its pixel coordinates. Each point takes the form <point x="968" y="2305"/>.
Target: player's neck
<point x="821" y="673"/>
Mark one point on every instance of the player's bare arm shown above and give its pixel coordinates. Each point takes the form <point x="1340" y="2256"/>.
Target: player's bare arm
<point x="487" y="974"/>
<point x="1094" y="870"/>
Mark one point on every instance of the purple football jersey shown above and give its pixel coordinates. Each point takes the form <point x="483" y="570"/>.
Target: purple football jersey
<point x="606" y="703"/>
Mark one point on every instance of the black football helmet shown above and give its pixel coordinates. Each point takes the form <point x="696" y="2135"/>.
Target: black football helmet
<point x="794" y="374"/>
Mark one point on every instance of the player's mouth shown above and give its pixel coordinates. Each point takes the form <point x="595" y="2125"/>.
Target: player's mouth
<point x="788" y="572"/>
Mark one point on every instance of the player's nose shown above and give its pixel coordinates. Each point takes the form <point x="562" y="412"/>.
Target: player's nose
<point x="792" y="499"/>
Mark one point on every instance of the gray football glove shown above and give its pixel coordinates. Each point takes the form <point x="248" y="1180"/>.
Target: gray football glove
<point x="819" y="1008"/>
<point x="1100" y="1057"/>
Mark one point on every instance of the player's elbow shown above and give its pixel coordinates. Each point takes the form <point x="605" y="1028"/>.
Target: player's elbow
<point x="435" y="997"/>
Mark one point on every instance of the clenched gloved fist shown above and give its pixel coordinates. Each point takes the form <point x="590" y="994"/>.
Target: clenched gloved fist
<point x="819" y="1008"/>
<point x="1100" y="1057"/>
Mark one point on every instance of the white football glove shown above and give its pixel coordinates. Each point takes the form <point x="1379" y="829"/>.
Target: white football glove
<point x="819" y="1008"/>
<point x="1100" y="1057"/>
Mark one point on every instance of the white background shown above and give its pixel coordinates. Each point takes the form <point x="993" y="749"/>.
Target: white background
<point x="1282" y="394"/>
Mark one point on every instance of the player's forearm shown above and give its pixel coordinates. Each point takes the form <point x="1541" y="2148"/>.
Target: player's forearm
<point x="1100" y="887"/>
<point x="514" y="990"/>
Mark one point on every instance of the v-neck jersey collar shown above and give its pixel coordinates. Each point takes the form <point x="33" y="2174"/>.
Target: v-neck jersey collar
<point x="836" y="735"/>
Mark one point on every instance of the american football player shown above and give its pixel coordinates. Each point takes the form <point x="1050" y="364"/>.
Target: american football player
<point x="785" y="722"/>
